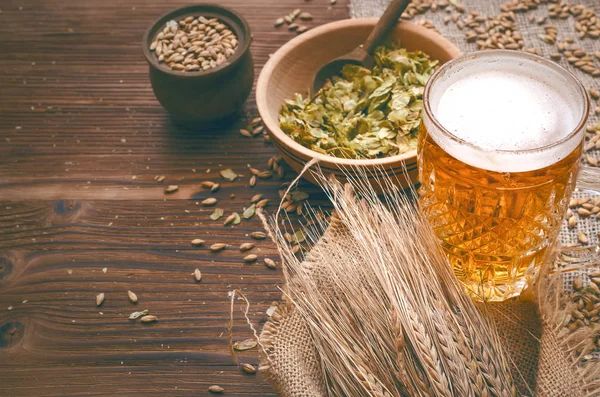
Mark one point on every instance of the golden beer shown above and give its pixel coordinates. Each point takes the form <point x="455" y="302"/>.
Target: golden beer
<point x="499" y="152"/>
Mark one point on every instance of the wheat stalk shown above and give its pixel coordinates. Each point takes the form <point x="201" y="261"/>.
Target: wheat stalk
<point x="449" y="348"/>
<point x="453" y="293"/>
<point x="427" y="355"/>
<point x="421" y="388"/>
<point x="473" y="371"/>
<point x="385" y="311"/>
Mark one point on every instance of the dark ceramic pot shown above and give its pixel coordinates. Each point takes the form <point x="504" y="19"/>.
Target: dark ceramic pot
<point x="203" y="98"/>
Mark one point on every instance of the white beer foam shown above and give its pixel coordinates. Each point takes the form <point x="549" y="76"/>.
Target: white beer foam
<point x="502" y="102"/>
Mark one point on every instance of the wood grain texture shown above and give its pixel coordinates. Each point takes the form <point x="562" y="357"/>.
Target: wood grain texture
<point x="81" y="139"/>
<point x="77" y="115"/>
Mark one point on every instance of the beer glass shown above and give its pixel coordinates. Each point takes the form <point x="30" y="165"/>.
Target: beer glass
<point x="499" y="150"/>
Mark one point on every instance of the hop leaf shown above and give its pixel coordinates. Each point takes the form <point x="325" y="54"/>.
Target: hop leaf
<point x="365" y="113"/>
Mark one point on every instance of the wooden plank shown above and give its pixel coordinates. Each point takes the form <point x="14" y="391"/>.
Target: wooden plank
<point x="53" y="322"/>
<point x="61" y="335"/>
<point x="121" y="185"/>
<point x="54" y="294"/>
<point x="135" y="225"/>
<point x="56" y="256"/>
<point x="78" y="118"/>
<point x="82" y="138"/>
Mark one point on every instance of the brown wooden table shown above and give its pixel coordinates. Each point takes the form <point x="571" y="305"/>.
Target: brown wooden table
<point x="82" y="138"/>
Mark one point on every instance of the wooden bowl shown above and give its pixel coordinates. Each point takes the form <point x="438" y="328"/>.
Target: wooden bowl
<point x="203" y="98"/>
<point x="292" y="68"/>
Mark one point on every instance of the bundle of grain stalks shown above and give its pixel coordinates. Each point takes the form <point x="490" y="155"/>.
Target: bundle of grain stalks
<point x="385" y="312"/>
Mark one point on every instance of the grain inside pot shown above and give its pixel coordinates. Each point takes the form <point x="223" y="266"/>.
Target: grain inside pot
<point x="194" y="44"/>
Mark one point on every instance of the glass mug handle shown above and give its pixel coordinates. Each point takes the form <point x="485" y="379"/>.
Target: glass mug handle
<point x="581" y="259"/>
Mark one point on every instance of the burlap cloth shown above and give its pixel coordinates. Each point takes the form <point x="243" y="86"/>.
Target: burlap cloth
<point x="534" y="342"/>
<point x="530" y="328"/>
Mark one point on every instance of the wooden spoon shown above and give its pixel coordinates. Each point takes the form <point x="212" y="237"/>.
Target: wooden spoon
<point x="363" y="54"/>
